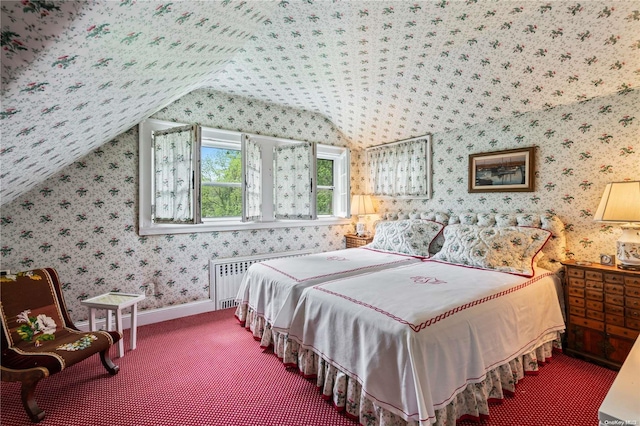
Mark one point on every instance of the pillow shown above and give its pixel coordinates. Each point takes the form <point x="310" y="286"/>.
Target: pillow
<point x="510" y="249"/>
<point x="408" y="236"/>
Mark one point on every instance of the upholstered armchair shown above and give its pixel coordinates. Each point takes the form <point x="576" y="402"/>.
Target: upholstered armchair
<point x="38" y="337"/>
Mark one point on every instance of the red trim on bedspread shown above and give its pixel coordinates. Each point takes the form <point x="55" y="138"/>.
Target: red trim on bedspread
<point x="444" y="315"/>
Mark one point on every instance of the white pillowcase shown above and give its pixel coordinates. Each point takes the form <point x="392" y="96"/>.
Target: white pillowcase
<point x="506" y="249"/>
<point x="408" y="236"/>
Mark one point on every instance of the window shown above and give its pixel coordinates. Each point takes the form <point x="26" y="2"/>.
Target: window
<point x="237" y="180"/>
<point x="220" y="180"/>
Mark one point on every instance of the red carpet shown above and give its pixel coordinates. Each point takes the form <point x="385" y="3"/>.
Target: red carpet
<point x="207" y="370"/>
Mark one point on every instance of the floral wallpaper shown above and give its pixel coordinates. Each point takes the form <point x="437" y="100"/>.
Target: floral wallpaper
<point x="83" y="221"/>
<point x="75" y="74"/>
<point x="579" y="149"/>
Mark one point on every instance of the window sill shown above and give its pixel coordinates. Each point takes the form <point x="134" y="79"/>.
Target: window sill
<point x="235" y="225"/>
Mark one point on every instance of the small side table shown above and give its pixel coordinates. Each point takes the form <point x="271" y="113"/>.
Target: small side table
<point x="115" y="301"/>
<point x="353" y="240"/>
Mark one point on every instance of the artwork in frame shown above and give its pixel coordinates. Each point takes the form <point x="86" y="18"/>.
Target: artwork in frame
<point x="510" y="170"/>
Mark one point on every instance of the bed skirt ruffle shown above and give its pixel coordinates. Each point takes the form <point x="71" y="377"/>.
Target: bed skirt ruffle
<point x="347" y="396"/>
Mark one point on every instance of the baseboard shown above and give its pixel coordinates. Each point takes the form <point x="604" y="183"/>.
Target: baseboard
<point x="153" y="316"/>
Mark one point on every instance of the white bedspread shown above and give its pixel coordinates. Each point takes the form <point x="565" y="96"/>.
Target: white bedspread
<point x="272" y="288"/>
<point x="416" y="335"/>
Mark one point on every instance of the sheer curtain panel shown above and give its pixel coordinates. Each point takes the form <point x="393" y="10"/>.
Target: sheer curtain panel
<point x="400" y="169"/>
<point x="174" y="197"/>
<point x="294" y="173"/>
<point x="252" y="156"/>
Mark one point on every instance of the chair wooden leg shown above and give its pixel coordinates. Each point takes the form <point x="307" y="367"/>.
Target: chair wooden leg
<point x="107" y="363"/>
<point x="29" y="379"/>
<point x="29" y="400"/>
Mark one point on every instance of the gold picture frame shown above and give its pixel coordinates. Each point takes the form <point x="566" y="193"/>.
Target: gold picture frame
<point x="510" y="170"/>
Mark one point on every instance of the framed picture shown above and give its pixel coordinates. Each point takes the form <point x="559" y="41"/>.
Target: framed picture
<point x="511" y="170"/>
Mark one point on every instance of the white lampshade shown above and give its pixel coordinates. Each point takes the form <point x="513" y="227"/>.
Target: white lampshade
<point x="621" y="203"/>
<point x="361" y="205"/>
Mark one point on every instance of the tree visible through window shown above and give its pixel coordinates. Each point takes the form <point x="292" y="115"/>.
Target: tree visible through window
<point x="221" y="182"/>
<point x="325" y="186"/>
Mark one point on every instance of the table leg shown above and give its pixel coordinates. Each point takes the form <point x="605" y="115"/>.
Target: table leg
<point x="109" y="324"/>
<point x="134" y="324"/>
<point x="119" y="328"/>
<point x="92" y="319"/>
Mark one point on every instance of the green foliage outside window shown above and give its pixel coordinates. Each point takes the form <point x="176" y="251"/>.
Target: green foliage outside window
<point x="221" y="166"/>
<point x="224" y="166"/>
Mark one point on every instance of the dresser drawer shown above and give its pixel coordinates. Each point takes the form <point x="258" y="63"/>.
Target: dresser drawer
<point x="613" y="288"/>
<point x="576" y="291"/>
<point x="632" y="313"/>
<point x="593" y="275"/>
<point x="633" y="323"/>
<point x="576" y="310"/>
<point x="596" y="285"/>
<point x="586" y="322"/>
<point x="614" y="278"/>
<point x="596" y="306"/>
<point x="614" y="309"/>
<point x="633" y="281"/>
<point x="632" y="291"/>
<point x="574" y="272"/>
<point x="615" y="320"/>
<point x="594" y="295"/>
<point x="622" y="331"/>
<point x="614" y="299"/>
<point x="632" y="302"/>
<point x="576" y="282"/>
<point x="596" y="315"/>
<point x="576" y="301"/>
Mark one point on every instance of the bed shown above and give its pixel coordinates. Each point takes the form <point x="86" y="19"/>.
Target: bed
<point x="270" y="290"/>
<point x="434" y="342"/>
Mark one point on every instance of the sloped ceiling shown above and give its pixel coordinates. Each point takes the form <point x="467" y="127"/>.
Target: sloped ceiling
<point x="76" y="74"/>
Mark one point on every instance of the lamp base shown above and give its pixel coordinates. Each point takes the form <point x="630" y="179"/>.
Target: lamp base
<point x="360" y="228"/>
<point x="628" y="247"/>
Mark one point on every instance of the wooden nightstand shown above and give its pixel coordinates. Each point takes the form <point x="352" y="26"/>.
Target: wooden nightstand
<point x="603" y="312"/>
<point x="353" y="240"/>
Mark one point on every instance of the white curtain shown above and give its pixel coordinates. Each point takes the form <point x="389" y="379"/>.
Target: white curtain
<point x="293" y="172"/>
<point x="173" y="169"/>
<point x="399" y="169"/>
<point x="253" y="180"/>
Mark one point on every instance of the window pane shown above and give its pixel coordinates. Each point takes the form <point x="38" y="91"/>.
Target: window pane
<point x="324" y="203"/>
<point x="221" y="201"/>
<point x="221" y="165"/>
<point x="325" y="173"/>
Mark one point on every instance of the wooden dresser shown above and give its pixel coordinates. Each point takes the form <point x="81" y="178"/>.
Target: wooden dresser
<point x="603" y="312"/>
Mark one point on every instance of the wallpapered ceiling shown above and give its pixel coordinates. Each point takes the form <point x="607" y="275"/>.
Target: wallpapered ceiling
<point x="76" y="74"/>
<point x="83" y="221"/>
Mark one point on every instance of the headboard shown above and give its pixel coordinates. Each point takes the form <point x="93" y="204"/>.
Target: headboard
<point x="555" y="249"/>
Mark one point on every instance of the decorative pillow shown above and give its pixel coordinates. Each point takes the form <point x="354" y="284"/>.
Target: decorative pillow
<point x="408" y="236"/>
<point x="510" y="249"/>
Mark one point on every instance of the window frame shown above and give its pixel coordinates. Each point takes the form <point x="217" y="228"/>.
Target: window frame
<point x="148" y="227"/>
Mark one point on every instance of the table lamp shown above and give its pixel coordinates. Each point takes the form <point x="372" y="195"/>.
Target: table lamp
<point x="621" y="203"/>
<point x="361" y="205"/>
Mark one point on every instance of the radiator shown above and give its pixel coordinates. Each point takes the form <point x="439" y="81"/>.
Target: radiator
<point x="225" y="275"/>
